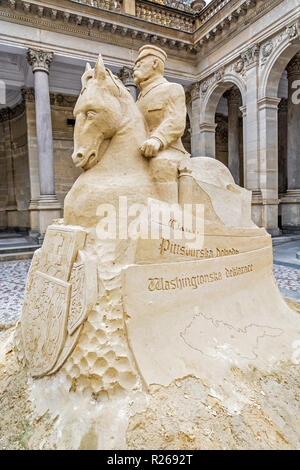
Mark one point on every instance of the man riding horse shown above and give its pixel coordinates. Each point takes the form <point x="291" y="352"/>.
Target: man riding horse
<point x="161" y="103"/>
<point x="163" y="106"/>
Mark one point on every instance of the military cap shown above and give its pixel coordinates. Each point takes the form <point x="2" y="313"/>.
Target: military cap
<point x="152" y="50"/>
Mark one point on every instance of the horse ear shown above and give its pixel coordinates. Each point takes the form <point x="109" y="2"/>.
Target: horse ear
<point x="88" y="67"/>
<point x="99" y="73"/>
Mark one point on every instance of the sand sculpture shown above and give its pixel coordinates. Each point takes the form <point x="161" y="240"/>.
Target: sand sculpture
<point x="163" y="342"/>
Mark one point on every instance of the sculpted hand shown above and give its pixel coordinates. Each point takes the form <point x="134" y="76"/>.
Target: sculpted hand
<point x="151" y="147"/>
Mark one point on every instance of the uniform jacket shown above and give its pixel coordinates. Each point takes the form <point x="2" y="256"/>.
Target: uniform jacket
<point x="163" y="106"/>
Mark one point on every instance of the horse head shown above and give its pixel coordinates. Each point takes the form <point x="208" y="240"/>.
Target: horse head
<point x="98" y="113"/>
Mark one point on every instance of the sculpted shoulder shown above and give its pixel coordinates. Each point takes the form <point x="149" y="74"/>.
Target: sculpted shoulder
<point x="173" y="88"/>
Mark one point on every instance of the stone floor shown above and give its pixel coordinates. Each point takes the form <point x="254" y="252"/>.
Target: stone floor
<point x="13" y="277"/>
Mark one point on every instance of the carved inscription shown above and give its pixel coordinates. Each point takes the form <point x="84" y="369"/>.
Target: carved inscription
<point x="176" y="248"/>
<point x="196" y="281"/>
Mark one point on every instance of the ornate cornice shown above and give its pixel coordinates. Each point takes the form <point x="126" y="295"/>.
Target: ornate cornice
<point x="94" y="20"/>
<point x="268" y="48"/>
<point x="87" y="25"/>
<point x="39" y="60"/>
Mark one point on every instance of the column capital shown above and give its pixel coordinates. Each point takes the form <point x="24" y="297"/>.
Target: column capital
<point x="126" y="75"/>
<point x="207" y="127"/>
<point x="293" y="68"/>
<point x="269" y="102"/>
<point x="233" y="95"/>
<point x="39" y="60"/>
<point x="195" y="91"/>
<point x="243" y="110"/>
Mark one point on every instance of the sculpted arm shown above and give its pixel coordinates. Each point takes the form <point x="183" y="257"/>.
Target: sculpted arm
<point x="173" y="126"/>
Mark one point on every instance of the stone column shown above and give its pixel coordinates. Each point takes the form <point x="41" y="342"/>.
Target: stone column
<point x="33" y="163"/>
<point x="208" y="140"/>
<point x="261" y="147"/>
<point x="48" y="206"/>
<point x="268" y="169"/>
<point x="195" y="120"/>
<point x="233" y="98"/>
<point x="282" y="145"/>
<point x="126" y="76"/>
<point x="291" y="201"/>
<point x="11" y="204"/>
<point x="249" y="59"/>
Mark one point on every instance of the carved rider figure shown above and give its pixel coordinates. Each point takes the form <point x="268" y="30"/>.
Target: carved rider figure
<point x="162" y="103"/>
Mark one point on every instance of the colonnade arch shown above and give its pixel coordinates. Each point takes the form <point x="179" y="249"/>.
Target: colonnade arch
<point x="279" y="142"/>
<point x="222" y="126"/>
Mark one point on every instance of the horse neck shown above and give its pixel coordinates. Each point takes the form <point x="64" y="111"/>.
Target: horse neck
<point x="123" y="152"/>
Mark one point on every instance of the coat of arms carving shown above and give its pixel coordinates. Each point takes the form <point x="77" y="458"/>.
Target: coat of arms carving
<point x="61" y="290"/>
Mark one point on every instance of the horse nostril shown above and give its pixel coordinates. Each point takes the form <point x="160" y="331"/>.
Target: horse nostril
<point x="79" y="156"/>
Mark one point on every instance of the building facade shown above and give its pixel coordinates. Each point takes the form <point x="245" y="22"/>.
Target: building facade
<point x="238" y="60"/>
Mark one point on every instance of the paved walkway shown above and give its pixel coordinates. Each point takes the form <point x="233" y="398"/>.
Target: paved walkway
<point x="285" y="254"/>
<point x="13" y="277"/>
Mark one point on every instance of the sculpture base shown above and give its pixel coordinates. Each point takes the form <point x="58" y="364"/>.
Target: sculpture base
<point x="175" y="354"/>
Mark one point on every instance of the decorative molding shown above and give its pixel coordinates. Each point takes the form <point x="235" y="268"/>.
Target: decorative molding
<point x="194" y="91"/>
<point x="73" y="23"/>
<point x="270" y="47"/>
<point x="239" y="65"/>
<point x="266" y="51"/>
<point x="251" y="56"/>
<point x="28" y="94"/>
<point x="63" y="100"/>
<point x="215" y="78"/>
<point x="186" y="22"/>
<point x="39" y="60"/>
<point x="268" y="102"/>
<point x="207" y="127"/>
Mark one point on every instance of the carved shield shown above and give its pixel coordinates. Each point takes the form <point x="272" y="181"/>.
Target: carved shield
<point x="83" y="280"/>
<point x="61" y="290"/>
<point x="44" y="322"/>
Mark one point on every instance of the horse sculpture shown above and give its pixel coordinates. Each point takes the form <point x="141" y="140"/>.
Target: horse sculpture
<point x="109" y="132"/>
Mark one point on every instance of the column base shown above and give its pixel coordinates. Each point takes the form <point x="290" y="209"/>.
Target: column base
<point x="49" y="208"/>
<point x="274" y="232"/>
<point x="290" y="210"/>
<point x="265" y="213"/>
<point x="12" y="216"/>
